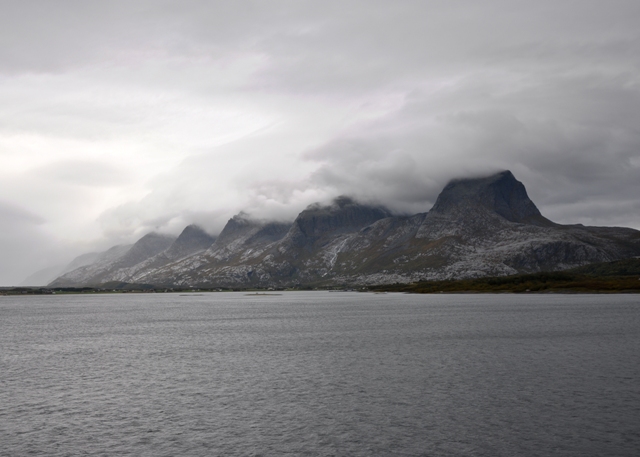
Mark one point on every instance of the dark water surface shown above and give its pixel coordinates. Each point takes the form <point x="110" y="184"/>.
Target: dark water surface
<point x="320" y="373"/>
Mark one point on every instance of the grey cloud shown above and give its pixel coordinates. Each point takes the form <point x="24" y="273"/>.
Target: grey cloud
<point x="572" y="140"/>
<point x="83" y="173"/>
<point x="12" y="215"/>
<point x="47" y="36"/>
<point x="22" y="241"/>
<point x="352" y="44"/>
<point x="43" y="36"/>
<point x="577" y="142"/>
<point x="399" y="43"/>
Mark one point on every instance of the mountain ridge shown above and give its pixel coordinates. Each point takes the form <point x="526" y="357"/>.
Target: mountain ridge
<point x="484" y="226"/>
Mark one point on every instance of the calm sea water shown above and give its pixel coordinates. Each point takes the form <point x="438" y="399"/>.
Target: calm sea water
<point x="320" y="373"/>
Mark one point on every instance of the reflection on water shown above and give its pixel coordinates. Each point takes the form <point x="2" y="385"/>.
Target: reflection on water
<point x="317" y="373"/>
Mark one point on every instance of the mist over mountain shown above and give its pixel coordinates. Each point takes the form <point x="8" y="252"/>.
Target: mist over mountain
<point x="477" y="227"/>
<point x="46" y="275"/>
<point x="500" y="193"/>
<point x="192" y="239"/>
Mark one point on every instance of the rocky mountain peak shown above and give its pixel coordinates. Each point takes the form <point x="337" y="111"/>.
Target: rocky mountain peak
<point x="342" y="201"/>
<point x="153" y="238"/>
<point x="470" y="232"/>
<point x="238" y="225"/>
<point x="192" y="230"/>
<point x="500" y="193"/>
<point x="342" y="215"/>
<point x="192" y="239"/>
<point x="149" y="245"/>
<point x="242" y="230"/>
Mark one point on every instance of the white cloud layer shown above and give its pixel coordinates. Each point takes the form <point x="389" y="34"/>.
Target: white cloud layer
<point x="117" y="118"/>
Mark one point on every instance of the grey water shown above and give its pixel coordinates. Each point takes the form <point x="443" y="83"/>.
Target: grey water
<point x="320" y="373"/>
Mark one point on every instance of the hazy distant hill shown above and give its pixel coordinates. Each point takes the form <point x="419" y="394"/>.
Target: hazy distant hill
<point x="114" y="263"/>
<point x="46" y="275"/>
<point x="477" y="227"/>
<point x="42" y="277"/>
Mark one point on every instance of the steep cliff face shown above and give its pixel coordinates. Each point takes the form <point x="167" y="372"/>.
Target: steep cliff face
<point x="243" y="235"/>
<point x="343" y="215"/>
<point x="241" y="230"/>
<point x="477" y="227"/>
<point x="320" y="225"/>
<point x="145" y="248"/>
<point x="192" y="239"/>
<point x="500" y="194"/>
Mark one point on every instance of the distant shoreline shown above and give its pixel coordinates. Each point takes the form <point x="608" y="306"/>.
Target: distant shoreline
<point x="441" y="287"/>
<point x="540" y="283"/>
<point x="621" y="276"/>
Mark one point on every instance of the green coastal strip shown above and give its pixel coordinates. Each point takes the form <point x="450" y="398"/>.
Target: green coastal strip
<point x="622" y="276"/>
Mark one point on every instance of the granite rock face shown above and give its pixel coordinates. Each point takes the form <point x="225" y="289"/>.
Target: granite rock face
<point x="477" y="227"/>
<point x="343" y="215"/>
<point x="319" y="226"/>
<point x="192" y="239"/>
<point x="501" y="194"/>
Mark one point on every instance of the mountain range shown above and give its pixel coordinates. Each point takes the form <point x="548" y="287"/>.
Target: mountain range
<point x="478" y="227"/>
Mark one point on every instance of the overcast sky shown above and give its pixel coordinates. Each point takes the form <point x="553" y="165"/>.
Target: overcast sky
<point x="122" y="117"/>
